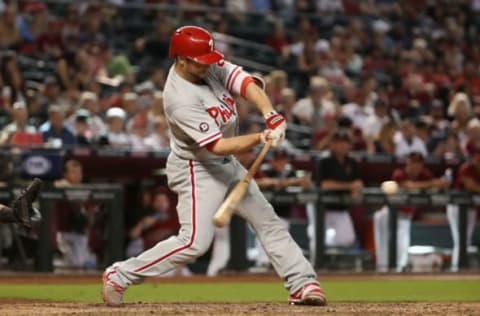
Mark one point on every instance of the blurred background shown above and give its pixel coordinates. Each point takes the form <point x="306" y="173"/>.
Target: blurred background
<point x="372" y="90"/>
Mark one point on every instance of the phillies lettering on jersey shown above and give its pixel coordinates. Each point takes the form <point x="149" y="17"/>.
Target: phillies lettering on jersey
<point x="223" y="112"/>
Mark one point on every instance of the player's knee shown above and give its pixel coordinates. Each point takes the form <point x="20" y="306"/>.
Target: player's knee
<point x="199" y="247"/>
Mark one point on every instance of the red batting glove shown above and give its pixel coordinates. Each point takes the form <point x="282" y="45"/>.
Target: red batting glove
<point x="278" y="125"/>
<point x="274" y="119"/>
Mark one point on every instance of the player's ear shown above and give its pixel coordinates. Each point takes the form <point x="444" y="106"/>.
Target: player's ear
<point x="181" y="60"/>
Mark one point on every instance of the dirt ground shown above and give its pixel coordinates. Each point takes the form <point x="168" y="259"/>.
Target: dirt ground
<point x="18" y="307"/>
<point x="25" y="307"/>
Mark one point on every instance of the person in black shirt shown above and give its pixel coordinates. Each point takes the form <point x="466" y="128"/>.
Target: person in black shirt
<point x="339" y="173"/>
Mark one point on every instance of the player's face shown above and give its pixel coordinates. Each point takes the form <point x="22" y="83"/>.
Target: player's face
<point x="195" y="70"/>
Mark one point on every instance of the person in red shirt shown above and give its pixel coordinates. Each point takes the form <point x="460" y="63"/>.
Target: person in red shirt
<point x="412" y="177"/>
<point x="468" y="179"/>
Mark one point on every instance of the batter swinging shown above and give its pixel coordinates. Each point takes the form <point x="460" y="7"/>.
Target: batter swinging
<point x="203" y="120"/>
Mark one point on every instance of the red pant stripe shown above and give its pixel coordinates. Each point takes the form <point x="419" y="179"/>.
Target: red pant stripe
<point x="194" y="226"/>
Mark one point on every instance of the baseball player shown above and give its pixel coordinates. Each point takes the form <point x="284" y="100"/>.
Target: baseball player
<point x="21" y="210"/>
<point x="201" y="169"/>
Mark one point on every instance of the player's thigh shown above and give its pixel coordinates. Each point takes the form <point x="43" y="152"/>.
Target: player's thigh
<point x="256" y="209"/>
<point x="200" y="190"/>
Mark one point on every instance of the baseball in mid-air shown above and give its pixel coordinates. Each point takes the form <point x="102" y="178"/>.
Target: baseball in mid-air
<point x="389" y="187"/>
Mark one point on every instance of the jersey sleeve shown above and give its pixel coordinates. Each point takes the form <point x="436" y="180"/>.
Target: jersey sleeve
<point x="233" y="77"/>
<point x="197" y="124"/>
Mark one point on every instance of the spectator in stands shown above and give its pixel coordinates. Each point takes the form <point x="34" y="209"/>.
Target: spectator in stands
<point x="308" y="60"/>
<point x="310" y="110"/>
<point x="322" y="138"/>
<point x="129" y="103"/>
<point x="278" y="175"/>
<point x="82" y="129"/>
<point x="144" y="103"/>
<point x="471" y="143"/>
<point x="157" y="106"/>
<point x="157" y="226"/>
<point x="460" y="109"/>
<point x="116" y="137"/>
<point x="88" y="105"/>
<point x="9" y="32"/>
<point x="156" y="79"/>
<point x="375" y="121"/>
<point x="158" y="140"/>
<point x="279" y="82"/>
<point x="413" y="176"/>
<point x="139" y="133"/>
<point x="468" y="179"/>
<point x="50" y="43"/>
<point x="278" y="40"/>
<point x="356" y="107"/>
<point x="407" y="141"/>
<point x="72" y="221"/>
<point x="19" y="124"/>
<point x="50" y="94"/>
<point x="439" y="125"/>
<point x="89" y="102"/>
<point x="383" y="143"/>
<point x="339" y="173"/>
<point x="155" y="46"/>
<point x="12" y="78"/>
<point x="54" y="130"/>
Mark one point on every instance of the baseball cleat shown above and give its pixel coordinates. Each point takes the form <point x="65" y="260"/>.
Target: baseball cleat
<point x="112" y="292"/>
<point x="22" y="204"/>
<point x="309" y="294"/>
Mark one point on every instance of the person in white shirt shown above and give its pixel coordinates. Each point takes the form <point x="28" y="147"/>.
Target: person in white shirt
<point x="18" y="124"/>
<point x="310" y="109"/>
<point x="356" y="109"/>
<point x="89" y="101"/>
<point x="116" y="136"/>
<point x="407" y="142"/>
<point x="376" y="120"/>
<point x="158" y="140"/>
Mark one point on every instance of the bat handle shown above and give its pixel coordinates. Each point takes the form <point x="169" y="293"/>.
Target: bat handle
<point x="253" y="168"/>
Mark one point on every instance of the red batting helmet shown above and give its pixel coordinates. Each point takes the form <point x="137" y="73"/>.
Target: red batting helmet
<point x="195" y="43"/>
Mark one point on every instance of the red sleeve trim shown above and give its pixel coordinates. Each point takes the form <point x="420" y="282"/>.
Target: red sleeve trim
<point x="243" y="88"/>
<point x="210" y="138"/>
<point x="230" y="76"/>
<point x="238" y="72"/>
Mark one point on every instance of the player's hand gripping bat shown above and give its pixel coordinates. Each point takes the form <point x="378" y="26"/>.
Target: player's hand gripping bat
<point x="224" y="213"/>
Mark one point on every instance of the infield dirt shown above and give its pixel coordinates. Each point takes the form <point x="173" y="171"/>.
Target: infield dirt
<point x="19" y="307"/>
<point x="29" y="307"/>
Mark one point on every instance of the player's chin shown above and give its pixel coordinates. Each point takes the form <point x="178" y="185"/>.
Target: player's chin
<point x="203" y="73"/>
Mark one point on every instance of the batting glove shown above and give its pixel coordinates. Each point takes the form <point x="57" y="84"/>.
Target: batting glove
<point x="278" y="125"/>
<point x="267" y="135"/>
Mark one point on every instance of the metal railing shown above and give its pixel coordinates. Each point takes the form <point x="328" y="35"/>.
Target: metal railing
<point x="374" y="196"/>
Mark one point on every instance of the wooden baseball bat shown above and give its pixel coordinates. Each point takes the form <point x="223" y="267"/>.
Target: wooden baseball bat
<point x="225" y="211"/>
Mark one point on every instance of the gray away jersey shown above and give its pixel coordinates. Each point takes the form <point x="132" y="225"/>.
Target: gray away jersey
<point x="198" y="114"/>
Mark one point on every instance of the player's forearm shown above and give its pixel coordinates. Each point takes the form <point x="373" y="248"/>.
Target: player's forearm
<point x="234" y="145"/>
<point x="417" y="185"/>
<point x="336" y="185"/>
<point x="258" y="97"/>
<point x="471" y="185"/>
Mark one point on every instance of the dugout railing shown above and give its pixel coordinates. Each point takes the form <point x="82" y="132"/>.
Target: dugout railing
<point x="111" y="196"/>
<point x="370" y="197"/>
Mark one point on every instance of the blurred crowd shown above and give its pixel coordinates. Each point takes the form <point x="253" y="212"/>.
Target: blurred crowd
<point x="400" y="76"/>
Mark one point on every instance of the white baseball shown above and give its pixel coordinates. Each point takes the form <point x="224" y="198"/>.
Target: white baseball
<point x="389" y="187"/>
